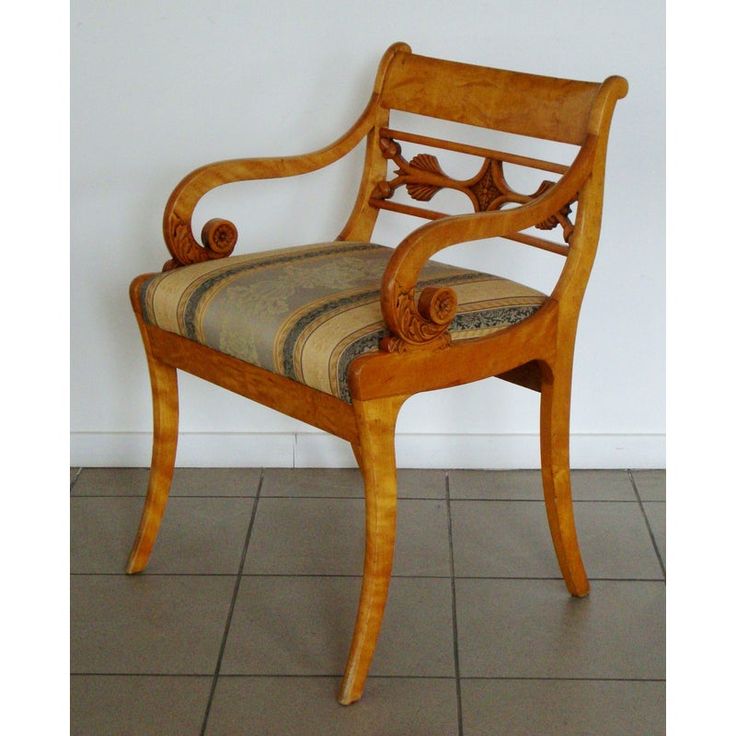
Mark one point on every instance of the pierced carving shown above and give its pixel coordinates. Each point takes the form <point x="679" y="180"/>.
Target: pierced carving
<point x="219" y="237"/>
<point x="561" y="217"/>
<point x="487" y="190"/>
<point x="418" y="190"/>
<point x="486" y="186"/>
<point x="389" y="147"/>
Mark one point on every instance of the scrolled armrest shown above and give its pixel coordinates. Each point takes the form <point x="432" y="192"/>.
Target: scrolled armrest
<point x="416" y="323"/>
<point x="220" y="236"/>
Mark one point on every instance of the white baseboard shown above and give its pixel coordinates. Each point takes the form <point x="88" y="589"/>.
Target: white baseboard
<point x="316" y="449"/>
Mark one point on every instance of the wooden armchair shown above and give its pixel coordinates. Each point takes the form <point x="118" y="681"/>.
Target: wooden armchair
<point x="340" y="334"/>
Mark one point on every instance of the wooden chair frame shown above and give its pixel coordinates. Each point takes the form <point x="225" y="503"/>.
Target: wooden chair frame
<point x="418" y="355"/>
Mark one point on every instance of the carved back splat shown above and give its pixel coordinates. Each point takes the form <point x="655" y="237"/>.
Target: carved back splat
<point x="488" y="190"/>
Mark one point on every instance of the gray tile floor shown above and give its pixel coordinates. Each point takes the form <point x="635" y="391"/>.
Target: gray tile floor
<point x="243" y="619"/>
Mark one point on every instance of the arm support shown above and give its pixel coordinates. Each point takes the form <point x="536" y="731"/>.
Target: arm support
<point x="424" y="324"/>
<point x="219" y="236"/>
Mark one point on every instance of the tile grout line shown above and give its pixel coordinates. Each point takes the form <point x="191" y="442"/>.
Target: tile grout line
<point x="338" y="676"/>
<point x="229" y="619"/>
<point x="358" y="498"/>
<point x="355" y="575"/>
<point x="456" y="653"/>
<point x="171" y="495"/>
<point x="541" y="500"/>
<point x="267" y="496"/>
<point x="569" y="679"/>
<point x="646" y="521"/>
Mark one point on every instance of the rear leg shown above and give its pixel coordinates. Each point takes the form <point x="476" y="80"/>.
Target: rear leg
<point x="555" y="449"/>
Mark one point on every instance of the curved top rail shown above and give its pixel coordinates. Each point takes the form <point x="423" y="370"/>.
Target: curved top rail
<point x="514" y="102"/>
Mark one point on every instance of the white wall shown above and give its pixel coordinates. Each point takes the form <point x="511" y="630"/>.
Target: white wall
<point x="161" y="87"/>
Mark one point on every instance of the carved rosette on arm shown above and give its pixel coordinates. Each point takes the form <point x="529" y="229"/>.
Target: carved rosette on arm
<point x="218" y="236"/>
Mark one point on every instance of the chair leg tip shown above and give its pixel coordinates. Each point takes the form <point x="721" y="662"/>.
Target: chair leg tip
<point x="579" y="590"/>
<point x="135" y="566"/>
<point x="349" y="695"/>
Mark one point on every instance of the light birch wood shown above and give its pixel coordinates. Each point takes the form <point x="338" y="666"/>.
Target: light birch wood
<point x="418" y="355"/>
<point x="555" y="440"/>
<point x="511" y="158"/>
<point x="376" y="423"/>
<point x="165" y="396"/>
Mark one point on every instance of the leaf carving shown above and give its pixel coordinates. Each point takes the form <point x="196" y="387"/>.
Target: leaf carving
<point x="422" y="192"/>
<point x="558" y="218"/>
<point x="420" y="325"/>
<point x="488" y="190"/>
<point x="427" y="162"/>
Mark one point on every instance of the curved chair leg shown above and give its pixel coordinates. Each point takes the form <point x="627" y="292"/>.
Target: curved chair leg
<point x="377" y="460"/>
<point x="165" y="434"/>
<point x="555" y="447"/>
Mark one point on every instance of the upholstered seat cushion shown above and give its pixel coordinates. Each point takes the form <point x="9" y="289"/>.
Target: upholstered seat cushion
<point x="307" y="312"/>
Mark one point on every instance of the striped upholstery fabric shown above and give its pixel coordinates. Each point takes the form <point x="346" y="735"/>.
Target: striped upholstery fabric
<point x="307" y="312"/>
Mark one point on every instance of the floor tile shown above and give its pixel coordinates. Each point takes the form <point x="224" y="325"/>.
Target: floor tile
<point x="216" y="481"/>
<point x="656" y="514"/>
<point x="602" y="485"/>
<point x="347" y="482"/>
<point x="615" y="542"/>
<point x="147" y="624"/>
<point x="587" y="485"/>
<point x="303" y="626"/>
<point x="144" y="647"/>
<point x="187" y="482"/>
<point x="512" y="539"/>
<point x="565" y="707"/>
<point x="651" y="484"/>
<point x="502" y="539"/>
<point x="419" y="483"/>
<point x="343" y="482"/>
<point x="533" y="628"/>
<point x="495" y="484"/>
<point x="126" y="705"/>
<point x="197" y="536"/>
<point x="324" y="536"/>
<point x="73" y="474"/>
<point x="111" y="482"/>
<point x="297" y="706"/>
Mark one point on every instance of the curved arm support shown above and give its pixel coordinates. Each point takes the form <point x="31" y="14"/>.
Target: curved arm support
<point x="219" y="236"/>
<point x="417" y="325"/>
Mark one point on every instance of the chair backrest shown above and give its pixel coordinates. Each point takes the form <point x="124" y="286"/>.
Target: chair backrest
<point x="561" y="110"/>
